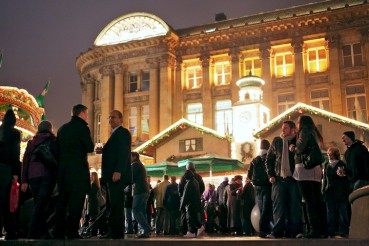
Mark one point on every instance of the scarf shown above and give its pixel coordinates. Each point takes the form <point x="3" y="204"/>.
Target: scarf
<point x="262" y="152"/>
<point x="333" y="163"/>
<point x="285" y="161"/>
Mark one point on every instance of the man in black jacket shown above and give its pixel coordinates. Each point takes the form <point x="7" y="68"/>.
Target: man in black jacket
<point x="286" y="198"/>
<point x="116" y="172"/>
<point x="74" y="142"/>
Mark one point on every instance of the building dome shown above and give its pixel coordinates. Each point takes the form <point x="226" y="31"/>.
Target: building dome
<point x="250" y="81"/>
<point x="25" y="107"/>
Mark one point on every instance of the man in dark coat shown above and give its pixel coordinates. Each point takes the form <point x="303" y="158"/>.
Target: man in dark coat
<point x="74" y="142"/>
<point x="116" y="172"/>
<point x="222" y="207"/>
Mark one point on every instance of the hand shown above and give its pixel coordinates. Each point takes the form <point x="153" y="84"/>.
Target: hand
<point x="24" y="187"/>
<point x="116" y="176"/>
<point x="272" y="180"/>
<point x="341" y="172"/>
<point x="292" y="148"/>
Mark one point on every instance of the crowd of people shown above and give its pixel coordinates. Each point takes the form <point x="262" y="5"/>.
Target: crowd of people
<point x="297" y="196"/>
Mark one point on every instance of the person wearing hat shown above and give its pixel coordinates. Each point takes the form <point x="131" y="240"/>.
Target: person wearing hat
<point x="263" y="188"/>
<point x="357" y="161"/>
<point x="40" y="177"/>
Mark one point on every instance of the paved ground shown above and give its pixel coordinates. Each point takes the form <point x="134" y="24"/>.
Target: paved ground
<point x="200" y="241"/>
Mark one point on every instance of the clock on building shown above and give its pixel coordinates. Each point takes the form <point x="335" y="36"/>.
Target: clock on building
<point x="245" y="116"/>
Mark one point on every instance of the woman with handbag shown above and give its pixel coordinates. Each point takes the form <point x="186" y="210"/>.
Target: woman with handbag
<point x="10" y="139"/>
<point x="40" y="177"/>
<point x="308" y="173"/>
<point x="95" y="202"/>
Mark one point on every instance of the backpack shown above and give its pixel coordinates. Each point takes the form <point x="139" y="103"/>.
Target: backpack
<point x="44" y="154"/>
<point x="259" y="175"/>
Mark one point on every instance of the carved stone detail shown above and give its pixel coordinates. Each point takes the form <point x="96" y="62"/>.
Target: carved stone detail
<point x="318" y="78"/>
<point x="298" y="45"/>
<point x="119" y="68"/>
<point x="221" y="91"/>
<point x="282" y="83"/>
<point x="333" y="40"/>
<point x="137" y="99"/>
<point x="106" y="70"/>
<point x="192" y="95"/>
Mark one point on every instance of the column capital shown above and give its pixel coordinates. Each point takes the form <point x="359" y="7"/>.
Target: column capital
<point x="364" y="35"/>
<point x="205" y="59"/>
<point x="265" y="50"/>
<point x="119" y="68"/>
<point x="89" y="78"/>
<point x="234" y="54"/>
<point x="297" y="44"/>
<point x="106" y="70"/>
<point x="332" y="40"/>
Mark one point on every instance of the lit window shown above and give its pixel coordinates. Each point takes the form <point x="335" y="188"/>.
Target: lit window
<point x="194" y="112"/>
<point x="145" y="83"/>
<point x="194" y="77"/>
<point x="352" y="55"/>
<point x="320" y="99"/>
<point x="133" y="82"/>
<point x="222" y="73"/>
<point x="283" y="65"/>
<point x="190" y="145"/>
<point x="252" y="65"/>
<point x="133" y="122"/>
<point x="356" y="103"/>
<point x="223" y="117"/>
<point x="145" y="130"/>
<point x="285" y="101"/>
<point x="317" y="60"/>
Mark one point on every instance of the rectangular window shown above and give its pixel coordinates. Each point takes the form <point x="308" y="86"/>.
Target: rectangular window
<point x="190" y="145"/>
<point x="194" y="112"/>
<point x="320" y="99"/>
<point x="133" y="123"/>
<point x="223" y="117"/>
<point x="252" y="65"/>
<point x="285" y="101"/>
<point x="356" y="103"/>
<point x="222" y="74"/>
<point x="283" y="64"/>
<point x="145" y="85"/>
<point x="317" y="60"/>
<point x="145" y="130"/>
<point x="194" y="77"/>
<point x="352" y="55"/>
<point x="133" y="82"/>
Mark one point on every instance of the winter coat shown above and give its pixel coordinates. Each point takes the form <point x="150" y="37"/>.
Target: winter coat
<point x="257" y="172"/>
<point x="357" y="161"/>
<point x="335" y="187"/>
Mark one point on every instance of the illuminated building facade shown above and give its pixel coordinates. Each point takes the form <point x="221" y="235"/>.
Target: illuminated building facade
<point x="317" y="54"/>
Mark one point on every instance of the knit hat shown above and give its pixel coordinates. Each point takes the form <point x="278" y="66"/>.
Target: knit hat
<point x="45" y="126"/>
<point x="264" y="144"/>
<point x="226" y="179"/>
<point x="350" y="134"/>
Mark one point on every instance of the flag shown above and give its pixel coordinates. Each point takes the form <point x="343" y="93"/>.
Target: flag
<point x="40" y="98"/>
<point x="1" y="59"/>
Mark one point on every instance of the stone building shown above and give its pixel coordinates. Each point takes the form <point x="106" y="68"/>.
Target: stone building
<point x="317" y="54"/>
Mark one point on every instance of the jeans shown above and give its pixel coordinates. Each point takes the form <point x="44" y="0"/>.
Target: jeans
<point x="264" y="200"/>
<point x="286" y="207"/>
<point x="129" y="220"/>
<point x="139" y="211"/>
<point x="333" y="207"/>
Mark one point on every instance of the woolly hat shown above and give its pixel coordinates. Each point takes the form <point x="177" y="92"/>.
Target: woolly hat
<point x="45" y="126"/>
<point x="264" y="144"/>
<point x="226" y="179"/>
<point x="350" y="134"/>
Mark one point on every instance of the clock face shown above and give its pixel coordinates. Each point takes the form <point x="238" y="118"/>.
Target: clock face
<point x="245" y="116"/>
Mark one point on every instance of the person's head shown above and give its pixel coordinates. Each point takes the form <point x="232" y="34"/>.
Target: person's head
<point x="264" y="144"/>
<point x="45" y="126"/>
<point x="81" y="111"/>
<point x="135" y="156"/>
<point x="165" y="177"/>
<point x="190" y="166"/>
<point x="225" y="179"/>
<point x="333" y="153"/>
<point x="238" y="179"/>
<point x="288" y="128"/>
<point x="348" y="138"/>
<point x="95" y="178"/>
<point x="115" y="118"/>
<point x="9" y="119"/>
<point x="173" y="179"/>
<point x="305" y="121"/>
<point x="188" y="175"/>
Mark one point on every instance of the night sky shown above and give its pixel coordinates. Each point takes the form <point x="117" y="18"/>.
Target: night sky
<point x="41" y="39"/>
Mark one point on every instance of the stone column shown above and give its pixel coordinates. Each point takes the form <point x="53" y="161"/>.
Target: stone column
<point x="235" y="58"/>
<point x="106" y="101"/>
<point x="88" y="96"/>
<point x="266" y="76"/>
<point x="207" y="103"/>
<point x="154" y="97"/>
<point x="178" y="92"/>
<point x="165" y="92"/>
<point x="118" y="87"/>
<point x="299" y="80"/>
<point x="334" y="74"/>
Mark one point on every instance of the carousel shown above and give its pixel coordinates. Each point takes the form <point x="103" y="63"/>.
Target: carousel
<point x="26" y="109"/>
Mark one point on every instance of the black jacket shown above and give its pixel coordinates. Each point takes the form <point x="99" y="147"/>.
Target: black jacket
<point x="274" y="157"/>
<point x="257" y="172"/>
<point x="10" y="140"/>
<point x="335" y="187"/>
<point x="199" y="180"/>
<point x="191" y="199"/>
<point x="357" y="161"/>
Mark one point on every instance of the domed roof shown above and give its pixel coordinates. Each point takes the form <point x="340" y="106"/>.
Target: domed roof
<point x="25" y="107"/>
<point x="133" y="26"/>
<point x="250" y="81"/>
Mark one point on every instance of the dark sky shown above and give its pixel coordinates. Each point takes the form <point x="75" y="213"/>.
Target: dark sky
<point x="42" y="38"/>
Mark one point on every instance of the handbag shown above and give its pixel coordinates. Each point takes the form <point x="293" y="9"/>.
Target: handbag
<point x="14" y="196"/>
<point x="101" y="198"/>
<point x="44" y="154"/>
<point x="313" y="157"/>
